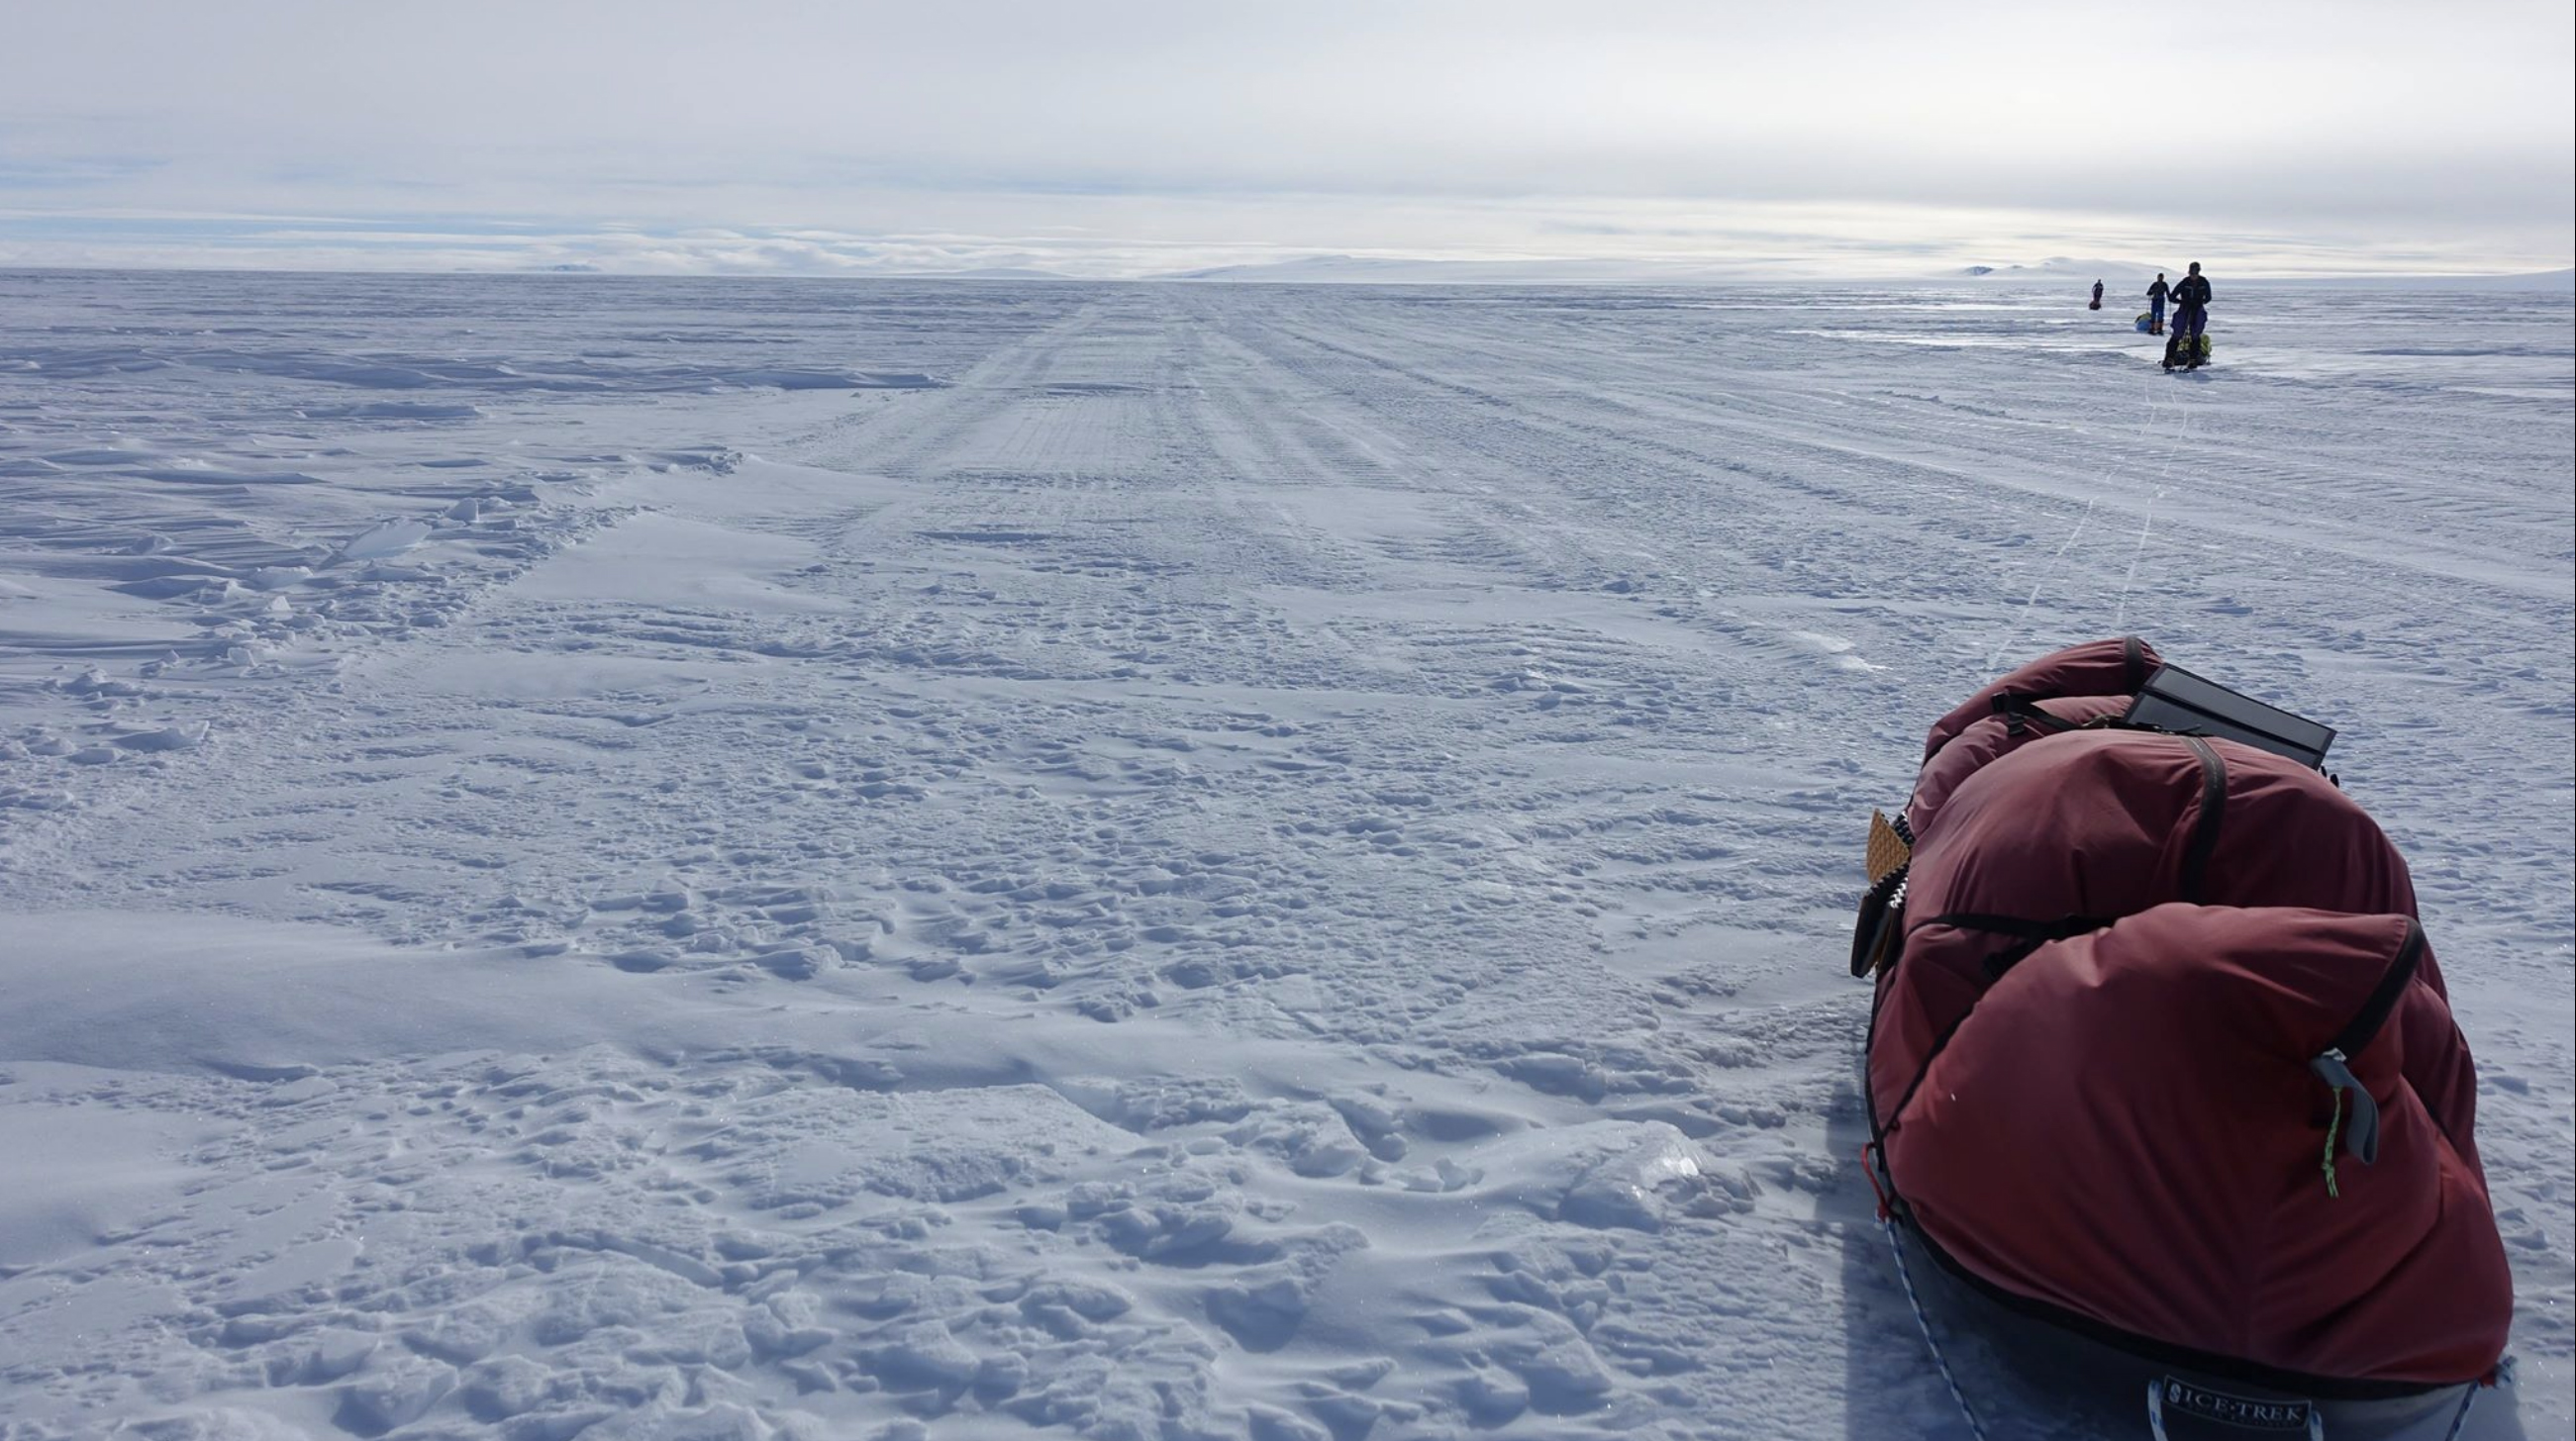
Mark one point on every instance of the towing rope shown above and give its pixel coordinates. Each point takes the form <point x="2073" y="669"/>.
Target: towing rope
<point x="2468" y="1398"/>
<point x="1896" y="1243"/>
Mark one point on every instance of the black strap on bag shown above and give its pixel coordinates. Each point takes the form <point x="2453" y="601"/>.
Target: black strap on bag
<point x="2028" y="935"/>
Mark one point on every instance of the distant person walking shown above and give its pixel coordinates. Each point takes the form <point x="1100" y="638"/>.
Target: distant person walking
<point x="2191" y="303"/>
<point x="2097" y="296"/>
<point x="2156" y="294"/>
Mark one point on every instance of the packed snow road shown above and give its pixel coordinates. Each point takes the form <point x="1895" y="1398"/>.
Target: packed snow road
<point x="728" y="859"/>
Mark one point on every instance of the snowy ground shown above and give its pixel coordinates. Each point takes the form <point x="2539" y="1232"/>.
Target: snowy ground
<point x="667" y="859"/>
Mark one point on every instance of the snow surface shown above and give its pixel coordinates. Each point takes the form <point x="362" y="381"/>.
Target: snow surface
<point x="671" y="859"/>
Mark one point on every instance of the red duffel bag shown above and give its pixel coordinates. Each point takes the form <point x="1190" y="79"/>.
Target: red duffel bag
<point x="2159" y="1051"/>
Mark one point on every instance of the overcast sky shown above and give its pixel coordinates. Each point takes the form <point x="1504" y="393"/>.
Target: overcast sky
<point x="1131" y="136"/>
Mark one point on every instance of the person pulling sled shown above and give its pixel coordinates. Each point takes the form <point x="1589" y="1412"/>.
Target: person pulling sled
<point x="2097" y="296"/>
<point x="2188" y="346"/>
<point x="2156" y="294"/>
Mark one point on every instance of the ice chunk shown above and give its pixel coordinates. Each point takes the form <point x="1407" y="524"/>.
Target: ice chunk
<point x="393" y="537"/>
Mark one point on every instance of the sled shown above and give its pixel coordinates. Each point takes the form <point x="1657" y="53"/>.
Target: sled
<point x="2160" y="1058"/>
<point x="2035" y="1380"/>
<point x="2194" y="355"/>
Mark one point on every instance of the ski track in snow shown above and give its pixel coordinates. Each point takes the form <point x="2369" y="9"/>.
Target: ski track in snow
<point x="667" y="859"/>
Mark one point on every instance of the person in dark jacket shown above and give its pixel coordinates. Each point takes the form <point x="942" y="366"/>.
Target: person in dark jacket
<point x="2156" y="294"/>
<point x="2097" y="296"/>
<point x="2191" y="303"/>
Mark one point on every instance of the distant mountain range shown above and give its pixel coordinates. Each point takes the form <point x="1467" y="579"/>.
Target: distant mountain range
<point x="2557" y="281"/>
<point x="2078" y="269"/>
<point x="1405" y="270"/>
<point x="2125" y="277"/>
<point x="2131" y="275"/>
<point x="2122" y="275"/>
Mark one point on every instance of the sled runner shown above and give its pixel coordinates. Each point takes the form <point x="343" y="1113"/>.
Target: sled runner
<point x="2161" y="1061"/>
